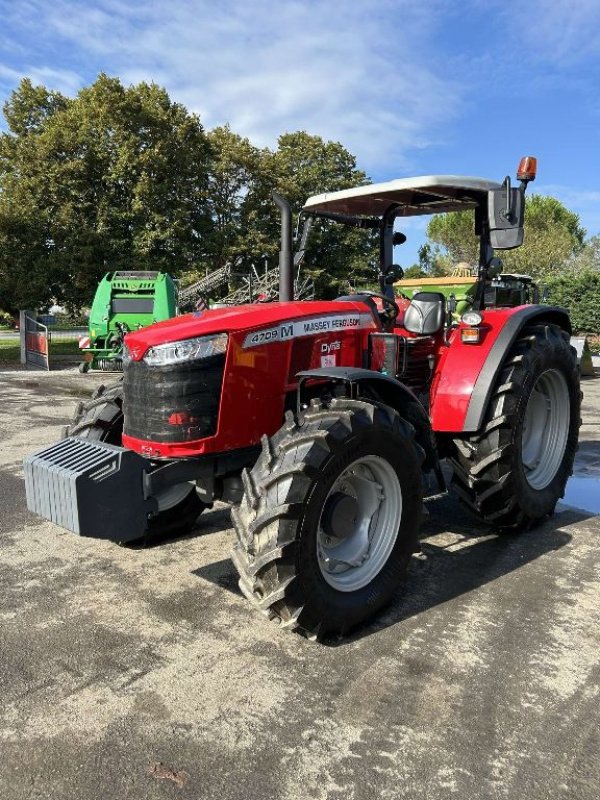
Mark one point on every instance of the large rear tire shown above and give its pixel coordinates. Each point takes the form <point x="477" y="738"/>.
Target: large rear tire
<point x="101" y="419"/>
<point x="330" y="517"/>
<point x="514" y="471"/>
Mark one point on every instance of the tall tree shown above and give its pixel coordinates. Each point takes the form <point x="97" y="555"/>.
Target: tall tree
<point x="246" y="220"/>
<point x="114" y="178"/>
<point x="553" y="237"/>
<point x="304" y="165"/>
<point x="235" y="170"/>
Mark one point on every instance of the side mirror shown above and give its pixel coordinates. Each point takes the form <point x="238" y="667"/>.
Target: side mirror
<point x="506" y="212"/>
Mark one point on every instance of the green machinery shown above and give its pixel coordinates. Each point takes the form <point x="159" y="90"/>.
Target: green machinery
<point x="504" y="290"/>
<point x="124" y="301"/>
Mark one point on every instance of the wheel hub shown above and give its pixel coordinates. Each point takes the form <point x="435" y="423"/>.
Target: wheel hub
<point x="359" y="523"/>
<point x="545" y="428"/>
<point x="340" y="516"/>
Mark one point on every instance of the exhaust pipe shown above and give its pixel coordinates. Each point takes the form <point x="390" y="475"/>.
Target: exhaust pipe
<point x="286" y="270"/>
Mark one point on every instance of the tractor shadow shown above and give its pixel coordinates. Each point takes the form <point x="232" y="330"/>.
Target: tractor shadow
<point x="450" y="564"/>
<point x="455" y="563"/>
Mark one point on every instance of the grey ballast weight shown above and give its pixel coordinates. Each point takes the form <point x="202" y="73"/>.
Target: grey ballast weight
<point x="90" y="488"/>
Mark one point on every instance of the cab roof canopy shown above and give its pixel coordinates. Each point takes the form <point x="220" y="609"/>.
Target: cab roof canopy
<point x="428" y="194"/>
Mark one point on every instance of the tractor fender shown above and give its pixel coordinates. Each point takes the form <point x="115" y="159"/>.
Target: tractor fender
<point x="465" y="374"/>
<point x="389" y="391"/>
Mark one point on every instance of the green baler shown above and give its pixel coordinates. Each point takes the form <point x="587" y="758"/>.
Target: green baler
<point x="125" y="301"/>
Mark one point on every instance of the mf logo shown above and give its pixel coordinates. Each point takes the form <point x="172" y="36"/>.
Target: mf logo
<point x="331" y="347"/>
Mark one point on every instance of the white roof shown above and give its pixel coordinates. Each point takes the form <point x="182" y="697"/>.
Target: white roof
<point x="428" y="194"/>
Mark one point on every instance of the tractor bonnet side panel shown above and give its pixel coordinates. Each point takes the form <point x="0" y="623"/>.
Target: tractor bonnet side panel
<point x="248" y="397"/>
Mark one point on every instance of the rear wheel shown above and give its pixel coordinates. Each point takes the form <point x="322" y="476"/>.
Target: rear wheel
<point x="330" y="517"/>
<point x="101" y="419"/>
<point x="513" y="473"/>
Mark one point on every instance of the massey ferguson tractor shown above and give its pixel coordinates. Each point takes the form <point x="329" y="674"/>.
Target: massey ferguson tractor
<point x="321" y="421"/>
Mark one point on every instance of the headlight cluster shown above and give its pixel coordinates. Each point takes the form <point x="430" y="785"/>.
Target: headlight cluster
<point x="187" y="350"/>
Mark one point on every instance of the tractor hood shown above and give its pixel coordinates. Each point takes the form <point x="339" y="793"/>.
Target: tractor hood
<point x="231" y="320"/>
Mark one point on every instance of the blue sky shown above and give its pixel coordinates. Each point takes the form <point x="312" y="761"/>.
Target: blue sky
<point x="409" y="86"/>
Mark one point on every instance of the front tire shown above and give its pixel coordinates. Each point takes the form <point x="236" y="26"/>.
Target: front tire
<point x="330" y="517"/>
<point x="513" y="473"/>
<point x="101" y="419"/>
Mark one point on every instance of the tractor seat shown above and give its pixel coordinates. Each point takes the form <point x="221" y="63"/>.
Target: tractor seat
<point x="426" y="313"/>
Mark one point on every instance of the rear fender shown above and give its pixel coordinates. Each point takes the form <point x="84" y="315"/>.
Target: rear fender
<point x="465" y="374"/>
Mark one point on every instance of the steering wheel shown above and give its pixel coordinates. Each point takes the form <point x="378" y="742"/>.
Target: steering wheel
<point x="392" y="307"/>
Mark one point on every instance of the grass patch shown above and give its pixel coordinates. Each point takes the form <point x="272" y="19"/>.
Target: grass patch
<point x="10" y="350"/>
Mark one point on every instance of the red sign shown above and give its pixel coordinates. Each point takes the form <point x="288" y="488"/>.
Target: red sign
<point x="36" y="343"/>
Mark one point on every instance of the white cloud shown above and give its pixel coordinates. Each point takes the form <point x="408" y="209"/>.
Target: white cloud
<point x="560" y="31"/>
<point x="353" y="72"/>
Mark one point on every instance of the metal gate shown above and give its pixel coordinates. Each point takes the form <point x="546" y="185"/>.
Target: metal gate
<point x="34" y="342"/>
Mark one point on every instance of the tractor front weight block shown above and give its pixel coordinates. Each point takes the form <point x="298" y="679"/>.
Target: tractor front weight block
<point x="91" y="488"/>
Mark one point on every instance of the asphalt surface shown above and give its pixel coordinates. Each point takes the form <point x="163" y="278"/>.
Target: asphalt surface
<point x="143" y="673"/>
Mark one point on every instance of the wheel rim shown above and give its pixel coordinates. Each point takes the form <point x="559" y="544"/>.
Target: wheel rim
<point x="545" y="428"/>
<point x="359" y="523"/>
<point x="171" y="497"/>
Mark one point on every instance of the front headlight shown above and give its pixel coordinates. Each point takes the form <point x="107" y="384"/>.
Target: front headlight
<point x="186" y="350"/>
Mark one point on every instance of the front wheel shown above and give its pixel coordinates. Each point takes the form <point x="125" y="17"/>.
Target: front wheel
<point x="330" y="517"/>
<point x="513" y="473"/>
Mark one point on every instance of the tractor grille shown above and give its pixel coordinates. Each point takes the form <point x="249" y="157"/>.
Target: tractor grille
<point x="176" y="403"/>
<point x="414" y="368"/>
<point x="402" y="357"/>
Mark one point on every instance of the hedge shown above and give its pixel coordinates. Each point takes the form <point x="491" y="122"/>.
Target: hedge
<point x="580" y="294"/>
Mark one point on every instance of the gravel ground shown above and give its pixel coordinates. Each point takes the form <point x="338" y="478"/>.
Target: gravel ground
<point x="143" y="673"/>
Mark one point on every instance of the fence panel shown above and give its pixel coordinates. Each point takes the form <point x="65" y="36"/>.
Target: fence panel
<point x="34" y="342"/>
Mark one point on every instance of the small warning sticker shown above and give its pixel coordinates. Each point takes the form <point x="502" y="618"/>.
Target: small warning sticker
<point x="328" y="361"/>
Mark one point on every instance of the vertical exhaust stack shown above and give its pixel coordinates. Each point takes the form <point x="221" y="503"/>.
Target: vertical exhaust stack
<point x="286" y="270"/>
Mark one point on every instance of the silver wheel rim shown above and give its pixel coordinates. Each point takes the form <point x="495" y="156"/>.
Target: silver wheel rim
<point x="545" y="428"/>
<point x="169" y="498"/>
<point x="351" y="558"/>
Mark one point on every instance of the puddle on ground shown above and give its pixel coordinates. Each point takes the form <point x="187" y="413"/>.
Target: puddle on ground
<point x="583" y="493"/>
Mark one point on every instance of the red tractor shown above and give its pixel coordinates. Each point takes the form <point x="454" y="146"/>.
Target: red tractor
<point x="321" y="421"/>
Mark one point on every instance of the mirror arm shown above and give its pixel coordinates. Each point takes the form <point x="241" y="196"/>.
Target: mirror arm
<point x="486" y="253"/>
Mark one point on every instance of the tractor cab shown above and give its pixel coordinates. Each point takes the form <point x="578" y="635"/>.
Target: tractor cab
<point x="414" y="329"/>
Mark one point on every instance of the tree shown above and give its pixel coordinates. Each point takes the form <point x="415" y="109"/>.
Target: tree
<point x="304" y="165"/>
<point x="553" y="237"/>
<point x="588" y="258"/>
<point x="247" y="221"/>
<point x="234" y="174"/>
<point x="114" y="178"/>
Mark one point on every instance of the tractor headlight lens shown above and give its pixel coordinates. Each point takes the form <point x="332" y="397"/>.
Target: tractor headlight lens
<point x="472" y="318"/>
<point x="187" y="350"/>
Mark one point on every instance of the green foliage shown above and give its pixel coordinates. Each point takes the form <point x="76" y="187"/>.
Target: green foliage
<point x="113" y="178"/>
<point x="553" y="237"/>
<point x="123" y="177"/>
<point x="247" y="222"/>
<point x="579" y="293"/>
<point x="455" y="233"/>
<point x="415" y="271"/>
<point x="588" y="257"/>
<point x="6" y="319"/>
